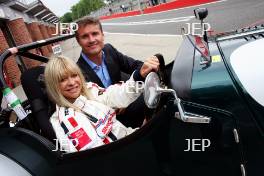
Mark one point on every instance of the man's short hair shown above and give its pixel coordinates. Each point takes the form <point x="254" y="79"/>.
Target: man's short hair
<point x="87" y="21"/>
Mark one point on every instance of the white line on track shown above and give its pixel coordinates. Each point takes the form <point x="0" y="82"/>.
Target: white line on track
<point x="159" y="21"/>
<point x="145" y="35"/>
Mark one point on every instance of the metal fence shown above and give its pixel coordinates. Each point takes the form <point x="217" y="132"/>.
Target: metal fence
<point x="120" y="6"/>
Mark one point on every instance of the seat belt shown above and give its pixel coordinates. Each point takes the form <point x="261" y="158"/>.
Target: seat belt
<point x="94" y="120"/>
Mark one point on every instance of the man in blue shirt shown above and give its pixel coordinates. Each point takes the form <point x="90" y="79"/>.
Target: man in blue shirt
<point x="100" y="70"/>
<point x="103" y="64"/>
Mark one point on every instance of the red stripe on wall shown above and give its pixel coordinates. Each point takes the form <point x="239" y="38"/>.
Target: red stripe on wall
<point x="162" y="7"/>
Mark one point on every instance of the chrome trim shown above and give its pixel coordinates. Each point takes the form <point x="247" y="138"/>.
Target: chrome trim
<point x="243" y="171"/>
<point x="244" y="34"/>
<point x="236" y="135"/>
<point x="182" y="115"/>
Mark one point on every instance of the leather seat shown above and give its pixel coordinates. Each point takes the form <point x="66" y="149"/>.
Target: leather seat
<point x="32" y="81"/>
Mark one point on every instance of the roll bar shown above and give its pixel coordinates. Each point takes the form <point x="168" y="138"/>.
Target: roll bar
<point x="22" y="50"/>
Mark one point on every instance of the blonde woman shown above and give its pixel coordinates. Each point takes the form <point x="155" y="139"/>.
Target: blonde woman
<point x="85" y="115"/>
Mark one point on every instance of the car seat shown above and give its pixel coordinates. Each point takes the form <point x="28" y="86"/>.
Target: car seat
<point x="32" y="81"/>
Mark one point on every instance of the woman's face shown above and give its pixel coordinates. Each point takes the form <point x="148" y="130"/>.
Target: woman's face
<point x="70" y="87"/>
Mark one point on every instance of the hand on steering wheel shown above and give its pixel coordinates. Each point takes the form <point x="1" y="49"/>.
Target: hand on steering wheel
<point x="151" y="64"/>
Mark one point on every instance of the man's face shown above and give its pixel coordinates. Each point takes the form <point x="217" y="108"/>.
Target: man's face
<point x="91" y="39"/>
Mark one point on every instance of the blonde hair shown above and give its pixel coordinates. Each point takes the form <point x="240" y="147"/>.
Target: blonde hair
<point x="57" y="68"/>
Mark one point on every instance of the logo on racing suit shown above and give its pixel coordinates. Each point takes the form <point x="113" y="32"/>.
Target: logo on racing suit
<point x="104" y="125"/>
<point x="78" y="137"/>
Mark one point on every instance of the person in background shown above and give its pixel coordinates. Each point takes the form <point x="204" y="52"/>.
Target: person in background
<point x="123" y="7"/>
<point x="154" y="2"/>
<point x="110" y="11"/>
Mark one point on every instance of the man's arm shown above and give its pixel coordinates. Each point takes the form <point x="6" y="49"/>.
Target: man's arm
<point x="120" y="96"/>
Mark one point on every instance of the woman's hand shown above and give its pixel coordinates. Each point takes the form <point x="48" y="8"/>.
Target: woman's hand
<point x="150" y="64"/>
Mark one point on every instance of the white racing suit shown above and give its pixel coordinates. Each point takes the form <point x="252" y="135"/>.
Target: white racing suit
<point x="96" y="123"/>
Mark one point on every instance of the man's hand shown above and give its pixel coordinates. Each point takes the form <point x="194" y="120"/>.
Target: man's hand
<point x="151" y="64"/>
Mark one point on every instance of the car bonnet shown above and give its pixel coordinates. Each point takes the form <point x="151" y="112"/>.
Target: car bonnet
<point x="247" y="62"/>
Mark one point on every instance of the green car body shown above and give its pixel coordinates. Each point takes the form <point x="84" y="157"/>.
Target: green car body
<point x="217" y="85"/>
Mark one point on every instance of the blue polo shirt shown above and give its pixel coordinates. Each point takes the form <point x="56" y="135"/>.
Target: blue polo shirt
<point x="100" y="70"/>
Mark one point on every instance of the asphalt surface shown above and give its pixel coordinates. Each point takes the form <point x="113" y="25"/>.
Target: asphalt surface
<point x="223" y="16"/>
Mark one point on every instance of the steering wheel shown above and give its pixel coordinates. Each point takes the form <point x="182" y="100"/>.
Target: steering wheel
<point x="161" y="71"/>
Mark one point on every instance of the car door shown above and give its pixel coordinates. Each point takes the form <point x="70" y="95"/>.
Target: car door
<point x="204" y="148"/>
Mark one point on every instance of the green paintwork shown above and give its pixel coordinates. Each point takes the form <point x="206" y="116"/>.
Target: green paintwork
<point x="211" y="83"/>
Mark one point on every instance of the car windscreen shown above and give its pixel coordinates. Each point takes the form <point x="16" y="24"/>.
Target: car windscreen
<point x="181" y="75"/>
